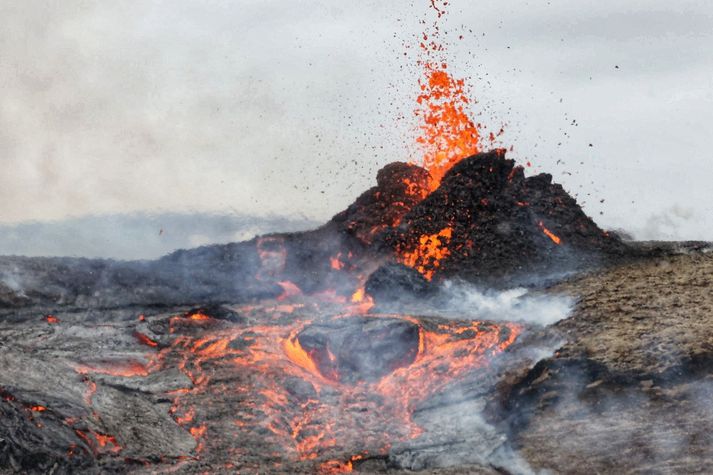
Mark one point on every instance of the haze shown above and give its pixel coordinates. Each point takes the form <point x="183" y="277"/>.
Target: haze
<point x="289" y="108"/>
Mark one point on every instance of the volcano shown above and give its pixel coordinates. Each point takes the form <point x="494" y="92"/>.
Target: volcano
<point x="485" y="223"/>
<point x="276" y="354"/>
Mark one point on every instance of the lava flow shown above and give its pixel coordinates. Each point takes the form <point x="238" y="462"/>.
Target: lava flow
<point x="312" y="403"/>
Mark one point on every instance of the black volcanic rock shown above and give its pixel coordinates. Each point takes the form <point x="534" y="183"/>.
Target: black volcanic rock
<point x="502" y="224"/>
<point x="497" y="219"/>
<point x="360" y="349"/>
<point x="398" y="189"/>
<point x="396" y="282"/>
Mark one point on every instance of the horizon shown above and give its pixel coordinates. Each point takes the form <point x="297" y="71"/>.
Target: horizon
<point x="293" y="121"/>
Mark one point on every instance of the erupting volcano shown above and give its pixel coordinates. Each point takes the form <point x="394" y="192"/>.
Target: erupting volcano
<point x="292" y="352"/>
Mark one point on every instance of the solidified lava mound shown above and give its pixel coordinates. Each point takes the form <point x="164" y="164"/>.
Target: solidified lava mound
<point x="360" y="349"/>
<point x="399" y="187"/>
<point x="489" y="221"/>
<point x="486" y="223"/>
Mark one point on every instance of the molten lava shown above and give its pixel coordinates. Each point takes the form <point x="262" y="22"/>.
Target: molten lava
<point x="447" y="133"/>
<point x="427" y="256"/>
<point x="301" y="399"/>
<point x="320" y="421"/>
<point x="555" y="239"/>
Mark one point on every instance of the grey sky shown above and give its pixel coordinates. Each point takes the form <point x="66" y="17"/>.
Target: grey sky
<point x="290" y="107"/>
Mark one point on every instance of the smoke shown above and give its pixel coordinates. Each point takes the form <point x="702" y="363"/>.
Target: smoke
<point x="137" y="236"/>
<point x="463" y="300"/>
<point x="11" y="281"/>
<point x="672" y="224"/>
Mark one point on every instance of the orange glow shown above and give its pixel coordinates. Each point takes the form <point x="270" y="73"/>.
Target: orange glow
<point x="288" y="290"/>
<point x="358" y="296"/>
<point x="555" y="239"/>
<point x="427" y="256"/>
<point x="99" y="442"/>
<point x="414" y="189"/>
<point x="298" y="355"/>
<point x="125" y="369"/>
<point x="335" y="263"/>
<point x="333" y="416"/>
<point x="38" y="408"/>
<point x="198" y="432"/>
<point x="199" y="317"/>
<point x="51" y="319"/>
<point x="447" y="133"/>
<point x="361" y="300"/>
<point x="145" y="339"/>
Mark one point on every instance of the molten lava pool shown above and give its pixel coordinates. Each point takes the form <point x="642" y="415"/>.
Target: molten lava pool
<point x="272" y="384"/>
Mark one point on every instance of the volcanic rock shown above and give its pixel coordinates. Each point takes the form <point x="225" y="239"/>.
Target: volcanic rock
<point x="502" y="224"/>
<point x="396" y="283"/>
<point x="360" y="349"/>
<point x="399" y="187"/>
<point x="493" y="224"/>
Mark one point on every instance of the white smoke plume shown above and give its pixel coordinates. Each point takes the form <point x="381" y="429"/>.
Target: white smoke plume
<point x="514" y="305"/>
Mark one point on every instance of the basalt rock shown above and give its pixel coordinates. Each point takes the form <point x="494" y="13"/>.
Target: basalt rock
<point x="502" y="228"/>
<point x="502" y="224"/>
<point x="360" y="349"/>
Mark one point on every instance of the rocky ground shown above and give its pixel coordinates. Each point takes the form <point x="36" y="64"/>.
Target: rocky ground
<point x="628" y="388"/>
<point x="632" y="389"/>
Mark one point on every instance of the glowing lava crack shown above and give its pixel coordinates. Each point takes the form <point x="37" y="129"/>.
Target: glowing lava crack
<point x="316" y="392"/>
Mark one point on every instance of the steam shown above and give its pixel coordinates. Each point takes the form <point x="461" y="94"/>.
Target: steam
<point x="513" y="305"/>
<point x="11" y="281"/>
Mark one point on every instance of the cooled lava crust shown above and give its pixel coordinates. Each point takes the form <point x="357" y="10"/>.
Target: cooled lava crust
<point x="360" y="348"/>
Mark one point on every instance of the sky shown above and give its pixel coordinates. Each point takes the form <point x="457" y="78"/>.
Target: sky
<point x="289" y="108"/>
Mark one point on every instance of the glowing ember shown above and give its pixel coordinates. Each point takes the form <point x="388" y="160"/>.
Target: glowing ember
<point x="288" y="290"/>
<point x="427" y="256"/>
<point x="555" y="239"/>
<point x="99" y="442"/>
<point x="336" y="263"/>
<point x="51" y="319"/>
<point x="447" y="133"/>
<point x="145" y="340"/>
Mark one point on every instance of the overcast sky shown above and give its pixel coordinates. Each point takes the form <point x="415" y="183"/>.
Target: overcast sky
<point x="290" y="107"/>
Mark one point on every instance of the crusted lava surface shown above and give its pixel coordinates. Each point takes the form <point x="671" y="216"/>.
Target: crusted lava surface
<point x="358" y="348"/>
<point x="234" y="388"/>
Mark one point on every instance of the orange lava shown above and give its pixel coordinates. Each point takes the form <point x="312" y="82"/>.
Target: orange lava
<point x="51" y="319"/>
<point x="145" y="339"/>
<point x="99" y="442"/>
<point x="260" y="364"/>
<point x="431" y="249"/>
<point x="447" y="133"/>
<point x="336" y="263"/>
<point x="555" y="239"/>
<point x="361" y="300"/>
<point x="121" y="368"/>
<point x="289" y="289"/>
